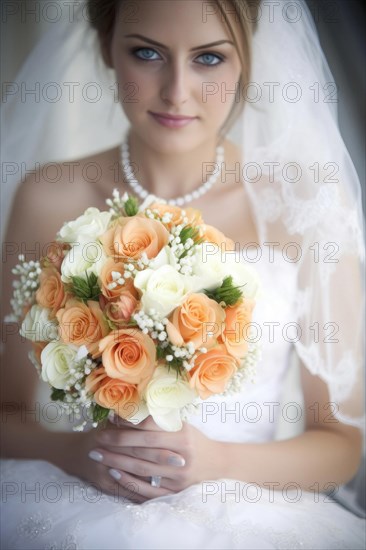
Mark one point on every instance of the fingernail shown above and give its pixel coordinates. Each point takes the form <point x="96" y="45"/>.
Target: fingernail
<point x="115" y="474"/>
<point x="95" y="455"/>
<point x="176" y="461"/>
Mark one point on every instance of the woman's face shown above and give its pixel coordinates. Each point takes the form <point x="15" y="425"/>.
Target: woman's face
<point x="178" y="76"/>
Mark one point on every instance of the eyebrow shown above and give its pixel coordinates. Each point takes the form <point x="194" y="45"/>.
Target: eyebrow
<point x="155" y="43"/>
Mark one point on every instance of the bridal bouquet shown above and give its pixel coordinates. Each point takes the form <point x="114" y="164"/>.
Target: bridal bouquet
<point x="137" y="310"/>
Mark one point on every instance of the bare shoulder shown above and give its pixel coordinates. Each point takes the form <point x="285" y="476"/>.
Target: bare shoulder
<point x="61" y="191"/>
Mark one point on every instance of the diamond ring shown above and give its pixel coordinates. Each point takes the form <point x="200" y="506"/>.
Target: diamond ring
<point x="155" y="481"/>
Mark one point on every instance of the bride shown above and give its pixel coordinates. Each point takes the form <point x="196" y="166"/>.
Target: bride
<point x="287" y="193"/>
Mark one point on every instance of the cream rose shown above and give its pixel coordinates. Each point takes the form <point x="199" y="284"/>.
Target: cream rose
<point x="165" y="257"/>
<point x="245" y="276"/>
<point x="162" y="289"/>
<point x="86" y="256"/>
<point x="38" y="326"/>
<point x="208" y="268"/>
<point x="89" y="225"/>
<point x="165" y="395"/>
<point x="213" y="264"/>
<point x="57" y="361"/>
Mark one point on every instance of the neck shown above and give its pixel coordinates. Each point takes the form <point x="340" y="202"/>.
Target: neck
<point x="167" y="175"/>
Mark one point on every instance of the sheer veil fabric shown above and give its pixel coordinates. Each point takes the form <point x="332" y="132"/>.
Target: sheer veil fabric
<point x="302" y="185"/>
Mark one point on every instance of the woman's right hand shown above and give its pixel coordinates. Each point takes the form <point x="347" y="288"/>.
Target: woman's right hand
<point x="79" y="463"/>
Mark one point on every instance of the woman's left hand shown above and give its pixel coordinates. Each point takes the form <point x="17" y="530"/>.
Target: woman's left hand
<point x="135" y="453"/>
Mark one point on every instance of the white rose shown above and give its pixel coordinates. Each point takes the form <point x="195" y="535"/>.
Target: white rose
<point x="162" y="289"/>
<point x="84" y="257"/>
<point x="208" y="266"/>
<point x="165" y="257"/>
<point x="244" y="276"/>
<point x="212" y="265"/>
<point x="165" y="395"/>
<point x="90" y="225"/>
<point x="37" y="326"/>
<point x="57" y="360"/>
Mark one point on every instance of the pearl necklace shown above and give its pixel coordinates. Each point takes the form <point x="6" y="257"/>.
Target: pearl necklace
<point x="179" y="201"/>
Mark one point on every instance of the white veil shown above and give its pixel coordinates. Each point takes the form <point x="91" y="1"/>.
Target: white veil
<point x="303" y="187"/>
<point x="307" y="198"/>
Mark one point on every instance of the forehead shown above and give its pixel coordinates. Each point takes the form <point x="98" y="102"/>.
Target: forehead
<point x="192" y="22"/>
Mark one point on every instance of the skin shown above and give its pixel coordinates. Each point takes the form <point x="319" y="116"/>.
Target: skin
<point x="170" y="164"/>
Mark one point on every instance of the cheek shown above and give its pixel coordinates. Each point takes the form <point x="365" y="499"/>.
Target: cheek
<point x="218" y="92"/>
<point x="142" y="82"/>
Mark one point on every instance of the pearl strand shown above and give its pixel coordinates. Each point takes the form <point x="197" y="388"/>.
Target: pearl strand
<point x="179" y="201"/>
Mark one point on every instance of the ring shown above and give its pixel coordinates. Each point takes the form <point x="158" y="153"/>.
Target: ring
<point x="155" y="481"/>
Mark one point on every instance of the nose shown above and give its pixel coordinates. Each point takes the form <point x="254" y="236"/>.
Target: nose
<point x="175" y="88"/>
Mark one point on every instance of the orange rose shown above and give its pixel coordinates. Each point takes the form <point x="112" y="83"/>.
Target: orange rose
<point x="112" y="393"/>
<point x="193" y="216"/>
<point x="212" y="371"/>
<point x="120" y="311"/>
<point x="82" y="324"/>
<point x="129" y="355"/>
<point x="109" y="278"/>
<point x="129" y="238"/>
<point x="196" y="318"/>
<point x="51" y="293"/>
<point x="213" y="235"/>
<point x="237" y="320"/>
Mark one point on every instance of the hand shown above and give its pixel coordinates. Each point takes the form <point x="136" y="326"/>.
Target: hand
<point x="132" y="454"/>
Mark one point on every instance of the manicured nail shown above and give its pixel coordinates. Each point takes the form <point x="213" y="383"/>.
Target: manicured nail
<point x="115" y="474"/>
<point x="176" y="461"/>
<point x="95" y="455"/>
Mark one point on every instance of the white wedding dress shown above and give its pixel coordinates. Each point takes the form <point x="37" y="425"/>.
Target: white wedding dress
<point x="45" y="508"/>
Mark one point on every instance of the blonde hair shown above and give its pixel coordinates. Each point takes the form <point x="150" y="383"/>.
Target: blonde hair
<point x="102" y="15"/>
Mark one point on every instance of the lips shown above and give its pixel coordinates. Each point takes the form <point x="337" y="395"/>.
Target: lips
<point x="172" y="121"/>
<point x="172" y="117"/>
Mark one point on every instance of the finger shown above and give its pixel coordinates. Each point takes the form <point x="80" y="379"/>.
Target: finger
<point x="135" y="466"/>
<point x="158" y="456"/>
<point x="140" y="438"/>
<point x="138" y="487"/>
<point x="147" y="424"/>
<point x="103" y="482"/>
<point x="124" y="494"/>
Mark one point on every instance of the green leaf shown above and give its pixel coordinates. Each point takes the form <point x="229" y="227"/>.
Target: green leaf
<point x="176" y="363"/>
<point x="227" y="292"/>
<point x="99" y="413"/>
<point x="190" y="232"/>
<point x="57" y="395"/>
<point x="131" y="206"/>
<point x="86" y="289"/>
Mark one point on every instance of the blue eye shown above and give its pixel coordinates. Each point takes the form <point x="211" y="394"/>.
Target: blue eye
<point x="146" y="54"/>
<point x="210" y="59"/>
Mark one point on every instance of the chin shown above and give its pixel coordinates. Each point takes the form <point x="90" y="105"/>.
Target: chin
<point x="168" y="141"/>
